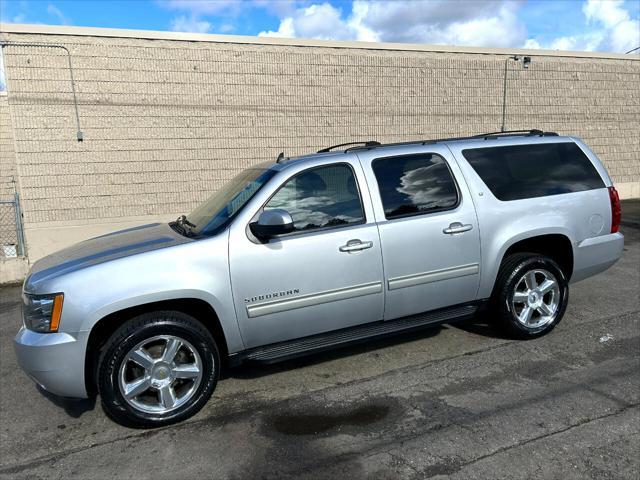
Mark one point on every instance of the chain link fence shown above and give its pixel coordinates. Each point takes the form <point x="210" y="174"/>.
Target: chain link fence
<point x="11" y="236"/>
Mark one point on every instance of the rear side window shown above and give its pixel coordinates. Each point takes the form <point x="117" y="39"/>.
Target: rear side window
<point x="321" y="197"/>
<point x="414" y="184"/>
<point x="537" y="170"/>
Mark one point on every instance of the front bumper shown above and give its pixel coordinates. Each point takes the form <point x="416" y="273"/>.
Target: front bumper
<point x="55" y="361"/>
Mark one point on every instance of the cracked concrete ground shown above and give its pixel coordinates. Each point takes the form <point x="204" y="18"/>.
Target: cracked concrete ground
<point x="457" y="402"/>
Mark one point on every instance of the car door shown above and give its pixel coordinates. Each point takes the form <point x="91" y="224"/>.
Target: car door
<point x="326" y="274"/>
<point x="428" y="228"/>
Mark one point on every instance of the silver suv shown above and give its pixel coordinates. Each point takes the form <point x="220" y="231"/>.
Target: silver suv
<point x="316" y="252"/>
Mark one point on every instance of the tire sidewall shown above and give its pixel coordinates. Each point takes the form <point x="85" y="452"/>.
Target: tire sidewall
<point x="117" y="349"/>
<point x="510" y="283"/>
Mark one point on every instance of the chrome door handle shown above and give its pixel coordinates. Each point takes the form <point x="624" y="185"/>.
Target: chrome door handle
<point x="355" y="246"/>
<point x="457" y="227"/>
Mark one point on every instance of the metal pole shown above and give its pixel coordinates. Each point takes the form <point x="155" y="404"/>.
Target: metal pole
<point x="79" y="134"/>
<point x="22" y="248"/>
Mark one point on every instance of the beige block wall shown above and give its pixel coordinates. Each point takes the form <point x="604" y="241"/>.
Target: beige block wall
<point x="10" y="268"/>
<point x="7" y="153"/>
<point x="166" y="122"/>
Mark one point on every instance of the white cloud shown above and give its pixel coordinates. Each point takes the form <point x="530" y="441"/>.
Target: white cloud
<point x="286" y="30"/>
<point x="322" y="21"/>
<point x="190" y="24"/>
<point x="608" y="27"/>
<point x="621" y="33"/>
<point x="532" y="43"/>
<point x="456" y="22"/>
<point x="55" y="12"/>
<point x="606" y="11"/>
<point x="480" y="22"/>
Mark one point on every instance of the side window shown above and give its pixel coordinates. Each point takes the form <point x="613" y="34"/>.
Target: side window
<point x="320" y="197"/>
<point x="536" y="170"/>
<point x="415" y="184"/>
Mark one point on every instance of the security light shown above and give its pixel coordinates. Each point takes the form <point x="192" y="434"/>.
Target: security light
<point x="526" y="61"/>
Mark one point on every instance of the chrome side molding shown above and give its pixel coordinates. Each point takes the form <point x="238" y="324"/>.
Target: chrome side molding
<point x="277" y="306"/>
<point x="433" y="276"/>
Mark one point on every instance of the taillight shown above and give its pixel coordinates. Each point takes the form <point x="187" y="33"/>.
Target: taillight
<point x="616" y="209"/>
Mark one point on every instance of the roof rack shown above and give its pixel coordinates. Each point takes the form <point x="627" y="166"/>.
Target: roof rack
<point x="529" y="133"/>
<point x="485" y="136"/>
<point x="367" y="144"/>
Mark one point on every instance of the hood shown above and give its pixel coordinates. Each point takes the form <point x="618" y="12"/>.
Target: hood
<point x="102" y="249"/>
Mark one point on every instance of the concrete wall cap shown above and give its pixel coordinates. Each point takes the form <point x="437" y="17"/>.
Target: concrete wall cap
<point x="16" y="28"/>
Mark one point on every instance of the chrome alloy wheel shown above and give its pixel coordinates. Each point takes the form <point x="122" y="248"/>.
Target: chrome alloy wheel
<point x="160" y="374"/>
<point x="536" y="298"/>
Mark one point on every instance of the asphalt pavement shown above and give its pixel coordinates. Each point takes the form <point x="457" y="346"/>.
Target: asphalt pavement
<point x="458" y="401"/>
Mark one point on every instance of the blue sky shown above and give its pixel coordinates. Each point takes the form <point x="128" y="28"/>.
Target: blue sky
<point x="608" y="25"/>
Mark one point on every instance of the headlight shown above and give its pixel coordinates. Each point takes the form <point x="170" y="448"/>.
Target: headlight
<point x="41" y="313"/>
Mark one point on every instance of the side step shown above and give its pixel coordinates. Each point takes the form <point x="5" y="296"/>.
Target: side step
<point x="347" y="336"/>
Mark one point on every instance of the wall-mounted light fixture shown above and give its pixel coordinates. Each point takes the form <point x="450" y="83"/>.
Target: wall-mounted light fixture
<point x="526" y="61"/>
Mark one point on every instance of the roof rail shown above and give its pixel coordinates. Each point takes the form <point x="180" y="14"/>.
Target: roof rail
<point x="507" y="133"/>
<point x="367" y="144"/>
<point x="485" y="136"/>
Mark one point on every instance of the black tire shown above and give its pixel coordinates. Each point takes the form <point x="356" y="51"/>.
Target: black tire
<point x="137" y="330"/>
<point x="510" y="275"/>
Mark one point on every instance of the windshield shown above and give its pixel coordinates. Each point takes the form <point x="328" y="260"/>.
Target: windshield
<point x="220" y="207"/>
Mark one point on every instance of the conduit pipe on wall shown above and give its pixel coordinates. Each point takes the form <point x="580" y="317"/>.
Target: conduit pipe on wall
<point x="3" y="44"/>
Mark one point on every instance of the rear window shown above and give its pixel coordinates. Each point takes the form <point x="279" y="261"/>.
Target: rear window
<point x="534" y="170"/>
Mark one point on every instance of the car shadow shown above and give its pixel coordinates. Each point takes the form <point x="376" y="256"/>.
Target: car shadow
<point x="257" y="370"/>
<point x="484" y="325"/>
<point x="479" y="325"/>
<point x="74" y="407"/>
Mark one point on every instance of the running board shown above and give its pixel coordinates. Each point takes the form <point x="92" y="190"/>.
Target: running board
<point x="348" y="336"/>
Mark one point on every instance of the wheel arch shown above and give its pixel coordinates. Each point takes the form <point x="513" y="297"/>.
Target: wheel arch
<point x="553" y="242"/>
<point x="556" y="246"/>
<point x="108" y="324"/>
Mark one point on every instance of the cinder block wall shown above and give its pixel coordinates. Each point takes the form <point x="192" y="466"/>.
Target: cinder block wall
<point x="166" y="122"/>
<point x="7" y="153"/>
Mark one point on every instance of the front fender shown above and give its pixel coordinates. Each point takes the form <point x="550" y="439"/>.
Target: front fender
<point x="197" y="270"/>
<point x="229" y="328"/>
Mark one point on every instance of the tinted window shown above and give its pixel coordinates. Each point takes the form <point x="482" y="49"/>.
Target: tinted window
<point x="525" y="171"/>
<point x="320" y="197"/>
<point x="413" y="184"/>
<point x="220" y="207"/>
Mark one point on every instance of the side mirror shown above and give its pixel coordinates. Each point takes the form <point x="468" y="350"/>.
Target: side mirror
<point x="271" y="223"/>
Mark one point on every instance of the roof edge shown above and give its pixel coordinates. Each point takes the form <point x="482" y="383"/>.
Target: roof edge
<point x="17" y="28"/>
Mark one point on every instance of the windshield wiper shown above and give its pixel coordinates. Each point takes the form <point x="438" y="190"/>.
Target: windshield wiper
<point x="184" y="226"/>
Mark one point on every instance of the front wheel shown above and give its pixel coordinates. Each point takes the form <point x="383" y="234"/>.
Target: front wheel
<point x="157" y="369"/>
<point x="531" y="294"/>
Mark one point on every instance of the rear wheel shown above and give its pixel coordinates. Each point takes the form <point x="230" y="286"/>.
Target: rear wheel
<point x="157" y="369"/>
<point x="531" y="294"/>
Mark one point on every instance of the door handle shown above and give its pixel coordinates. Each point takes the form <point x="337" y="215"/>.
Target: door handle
<point x="355" y="246"/>
<point x="457" y="227"/>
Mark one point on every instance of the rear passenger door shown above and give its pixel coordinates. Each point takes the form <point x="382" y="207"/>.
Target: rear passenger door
<point x="428" y="229"/>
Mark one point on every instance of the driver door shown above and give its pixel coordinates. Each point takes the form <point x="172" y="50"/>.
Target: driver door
<point x="323" y="276"/>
